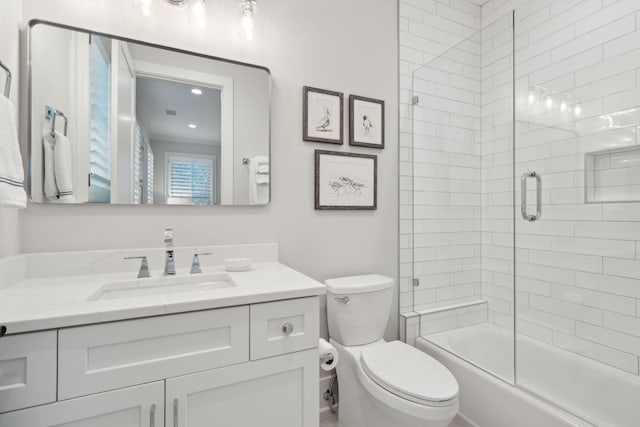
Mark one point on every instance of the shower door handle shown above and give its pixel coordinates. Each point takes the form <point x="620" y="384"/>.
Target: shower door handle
<point x="523" y="198"/>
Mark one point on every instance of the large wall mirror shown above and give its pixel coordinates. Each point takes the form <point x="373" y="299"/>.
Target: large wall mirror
<point x="124" y="122"/>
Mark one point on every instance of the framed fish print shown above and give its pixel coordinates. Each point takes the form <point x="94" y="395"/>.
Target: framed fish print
<point x="346" y="181"/>
<point x="322" y="116"/>
<point x="366" y="122"/>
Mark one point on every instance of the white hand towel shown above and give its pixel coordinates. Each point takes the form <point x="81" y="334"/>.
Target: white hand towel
<point x="258" y="193"/>
<point x="11" y="171"/>
<point x="63" y="168"/>
<point x="262" y="178"/>
<point x="50" y="187"/>
<point x="263" y="168"/>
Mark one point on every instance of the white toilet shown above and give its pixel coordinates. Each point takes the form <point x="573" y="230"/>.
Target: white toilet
<point x="382" y="384"/>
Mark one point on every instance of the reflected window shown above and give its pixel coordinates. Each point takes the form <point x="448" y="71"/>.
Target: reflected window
<point x="190" y="180"/>
<point x="138" y="156"/>
<point x="100" y="123"/>
<point x="150" y="180"/>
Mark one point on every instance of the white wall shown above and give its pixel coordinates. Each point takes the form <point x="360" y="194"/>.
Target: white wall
<point x="330" y="44"/>
<point x="10" y="18"/>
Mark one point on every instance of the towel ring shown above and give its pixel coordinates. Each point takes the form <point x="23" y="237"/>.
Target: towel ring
<point x="7" y="84"/>
<point x="56" y="113"/>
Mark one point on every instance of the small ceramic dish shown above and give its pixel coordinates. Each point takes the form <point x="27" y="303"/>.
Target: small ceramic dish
<point x="237" y="264"/>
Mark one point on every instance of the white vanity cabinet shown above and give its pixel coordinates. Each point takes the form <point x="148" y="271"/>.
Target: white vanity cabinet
<point x="191" y="369"/>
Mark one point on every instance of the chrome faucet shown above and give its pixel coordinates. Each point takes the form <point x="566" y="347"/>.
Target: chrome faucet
<point x="169" y="262"/>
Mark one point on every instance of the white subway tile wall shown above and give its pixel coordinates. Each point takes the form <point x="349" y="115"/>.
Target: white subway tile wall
<point x="578" y="269"/>
<point x="577" y="99"/>
<point x="440" y="167"/>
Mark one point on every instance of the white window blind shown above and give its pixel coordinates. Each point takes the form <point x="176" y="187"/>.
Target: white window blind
<point x="149" y="175"/>
<point x="138" y="152"/>
<point x="100" y="124"/>
<point x="190" y="180"/>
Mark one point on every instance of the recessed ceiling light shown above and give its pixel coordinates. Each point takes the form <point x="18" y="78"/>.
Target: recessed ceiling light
<point x="196" y="91"/>
<point x="192" y="126"/>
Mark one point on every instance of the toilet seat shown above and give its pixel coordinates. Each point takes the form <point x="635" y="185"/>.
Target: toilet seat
<point x="409" y="373"/>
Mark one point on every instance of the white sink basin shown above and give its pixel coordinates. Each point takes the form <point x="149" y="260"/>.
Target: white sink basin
<point x="162" y="286"/>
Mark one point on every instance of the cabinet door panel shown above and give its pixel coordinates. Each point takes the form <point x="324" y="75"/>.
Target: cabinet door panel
<point x="27" y="370"/>
<point x="104" y="357"/>
<point x="280" y="391"/>
<point x="141" y="406"/>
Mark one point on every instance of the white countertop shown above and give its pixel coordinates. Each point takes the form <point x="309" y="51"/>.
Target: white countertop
<point x="41" y="303"/>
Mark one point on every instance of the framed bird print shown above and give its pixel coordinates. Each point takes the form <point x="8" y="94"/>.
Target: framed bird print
<point x="366" y="122"/>
<point x="322" y="117"/>
<point x="346" y="181"/>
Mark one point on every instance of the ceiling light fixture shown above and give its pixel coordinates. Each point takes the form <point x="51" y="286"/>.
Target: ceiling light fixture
<point x="192" y="126"/>
<point x="247" y="10"/>
<point x="196" y="91"/>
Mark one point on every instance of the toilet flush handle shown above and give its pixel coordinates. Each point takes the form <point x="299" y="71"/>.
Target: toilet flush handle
<point x="343" y="300"/>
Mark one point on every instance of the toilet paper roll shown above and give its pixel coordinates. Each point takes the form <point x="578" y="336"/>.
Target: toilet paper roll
<point x="328" y="355"/>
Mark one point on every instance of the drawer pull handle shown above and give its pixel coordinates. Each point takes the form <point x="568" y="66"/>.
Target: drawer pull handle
<point x="343" y="300"/>
<point x="287" y="328"/>
<point x="152" y="420"/>
<point x="175" y="412"/>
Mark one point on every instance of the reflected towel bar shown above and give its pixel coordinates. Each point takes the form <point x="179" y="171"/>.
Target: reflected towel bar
<point x="52" y="113"/>
<point x="7" y="84"/>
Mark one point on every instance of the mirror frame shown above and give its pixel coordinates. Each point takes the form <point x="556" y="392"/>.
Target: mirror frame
<point x="28" y="141"/>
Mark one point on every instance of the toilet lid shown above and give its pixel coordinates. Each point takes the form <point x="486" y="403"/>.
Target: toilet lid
<point x="409" y="373"/>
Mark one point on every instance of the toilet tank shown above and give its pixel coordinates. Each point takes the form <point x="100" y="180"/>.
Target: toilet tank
<point x="358" y="308"/>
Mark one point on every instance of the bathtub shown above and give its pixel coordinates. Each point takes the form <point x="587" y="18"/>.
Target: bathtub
<point x="605" y="396"/>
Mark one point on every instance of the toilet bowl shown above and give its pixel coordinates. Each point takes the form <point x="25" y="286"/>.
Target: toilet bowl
<point x="382" y="384"/>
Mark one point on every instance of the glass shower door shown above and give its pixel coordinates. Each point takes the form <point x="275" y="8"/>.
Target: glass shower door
<point x="462" y="203"/>
<point x="577" y="175"/>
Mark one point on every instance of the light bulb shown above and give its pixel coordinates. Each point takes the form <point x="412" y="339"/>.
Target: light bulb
<point x="563" y="106"/>
<point x="196" y="91"/>
<point x="247" y="26"/>
<point x="198" y="13"/>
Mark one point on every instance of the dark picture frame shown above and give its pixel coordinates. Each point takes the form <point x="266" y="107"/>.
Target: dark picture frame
<point x="320" y="106"/>
<point x="366" y="122"/>
<point x="346" y="181"/>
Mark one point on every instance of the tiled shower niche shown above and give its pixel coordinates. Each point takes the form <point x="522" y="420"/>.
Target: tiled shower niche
<point x="613" y="175"/>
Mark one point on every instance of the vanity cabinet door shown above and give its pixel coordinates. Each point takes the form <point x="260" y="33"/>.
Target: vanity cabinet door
<point x="141" y="406"/>
<point x="280" y="391"/>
